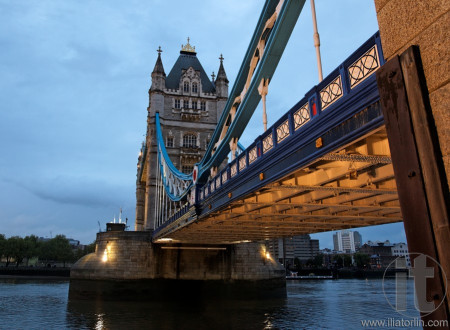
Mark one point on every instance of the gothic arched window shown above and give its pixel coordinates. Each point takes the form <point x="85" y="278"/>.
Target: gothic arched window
<point x="186" y="87"/>
<point x="194" y="88"/>
<point x="189" y="141"/>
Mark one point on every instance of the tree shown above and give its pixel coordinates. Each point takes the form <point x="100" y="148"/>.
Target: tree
<point x="91" y="248"/>
<point x="45" y="251"/>
<point x="15" y="249"/>
<point x="2" y="245"/>
<point x="339" y="261"/>
<point x="347" y="260"/>
<point x="318" y="260"/>
<point x="62" y="249"/>
<point x="310" y="262"/>
<point x="362" y="260"/>
<point x="31" y="247"/>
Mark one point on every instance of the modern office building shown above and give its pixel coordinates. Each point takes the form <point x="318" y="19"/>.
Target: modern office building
<point x="347" y="241"/>
<point x="301" y="247"/>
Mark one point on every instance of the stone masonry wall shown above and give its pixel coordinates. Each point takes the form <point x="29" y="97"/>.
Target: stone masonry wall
<point x="118" y="255"/>
<point x="132" y="256"/>
<point x="424" y="23"/>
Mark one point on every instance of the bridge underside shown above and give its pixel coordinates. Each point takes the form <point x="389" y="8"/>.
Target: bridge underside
<point x="353" y="186"/>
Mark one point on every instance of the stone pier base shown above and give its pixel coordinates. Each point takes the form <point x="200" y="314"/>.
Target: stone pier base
<point x="127" y="265"/>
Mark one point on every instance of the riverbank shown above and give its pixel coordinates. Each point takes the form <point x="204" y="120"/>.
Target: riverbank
<point x="35" y="272"/>
<point x="347" y="273"/>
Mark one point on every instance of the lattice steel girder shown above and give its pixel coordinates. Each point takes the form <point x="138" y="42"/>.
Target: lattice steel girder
<point x="248" y="231"/>
<point x="244" y="215"/>
<point x="247" y="206"/>
<point x="291" y="222"/>
<point x="372" y="159"/>
<point x="375" y="176"/>
<point x="350" y="201"/>
<point x="302" y="188"/>
<point x="324" y="175"/>
<point x="232" y="213"/>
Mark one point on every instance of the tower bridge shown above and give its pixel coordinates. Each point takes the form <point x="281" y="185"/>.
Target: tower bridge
<point x="358" y="149"/>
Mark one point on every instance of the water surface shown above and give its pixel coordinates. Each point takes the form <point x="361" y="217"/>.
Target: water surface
<point x="324" y="304"/>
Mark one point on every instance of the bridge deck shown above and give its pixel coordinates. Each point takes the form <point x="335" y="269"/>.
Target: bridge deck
<point x="350" y="187"/>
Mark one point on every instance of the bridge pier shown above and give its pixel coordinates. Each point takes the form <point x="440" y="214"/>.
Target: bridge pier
<point x="127" y="265"/>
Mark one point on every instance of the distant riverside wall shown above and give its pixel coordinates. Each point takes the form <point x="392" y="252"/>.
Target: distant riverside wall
<point x="35" y="271"/>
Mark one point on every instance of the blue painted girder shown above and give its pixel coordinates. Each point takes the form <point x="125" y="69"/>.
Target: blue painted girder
<point x="275" y="45"/>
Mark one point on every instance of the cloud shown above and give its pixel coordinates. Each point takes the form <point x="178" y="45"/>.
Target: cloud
<point x="81" y="191"/>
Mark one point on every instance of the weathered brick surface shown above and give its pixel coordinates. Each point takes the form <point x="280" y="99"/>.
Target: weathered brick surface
<point x="424" y="23"/>
<point x="379" y="4"/>
<point x="400" y="21"/>
<point x="440" y="103"/>
<point x="435" y="52"/>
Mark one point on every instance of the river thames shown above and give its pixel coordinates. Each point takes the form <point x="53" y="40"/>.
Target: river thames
<point x="310" y="304"/>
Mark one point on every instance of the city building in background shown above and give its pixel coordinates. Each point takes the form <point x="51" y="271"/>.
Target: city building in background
<point x="347" y="241"/>
<point x="287" y="250"/>
<point x="401" y="250"/>
<point x="380" y="253"/>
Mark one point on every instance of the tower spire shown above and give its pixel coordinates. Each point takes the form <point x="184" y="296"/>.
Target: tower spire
<point x="221" y="75"/>
<point x="158" y="74"/>
<point x="221" y="82"/>
<point x="158" y="65"/>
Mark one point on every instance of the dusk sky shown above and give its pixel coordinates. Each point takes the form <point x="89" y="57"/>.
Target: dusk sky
<point x="74" y="80"/>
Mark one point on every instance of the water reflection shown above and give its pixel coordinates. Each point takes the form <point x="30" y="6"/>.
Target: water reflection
<point x="340" y="304"/>
<point x="199" y="314"/>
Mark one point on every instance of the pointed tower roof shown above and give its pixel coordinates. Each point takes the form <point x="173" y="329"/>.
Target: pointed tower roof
<point x="188" y="58"/>
<point x="159" y="66"/>
<point x="221" y="75"/>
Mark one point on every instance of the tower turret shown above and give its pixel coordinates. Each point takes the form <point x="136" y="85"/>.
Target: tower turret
<point x="158" y="74"/>
<point x="221" y="80"/>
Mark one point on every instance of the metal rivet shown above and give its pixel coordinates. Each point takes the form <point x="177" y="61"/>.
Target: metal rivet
<point x="411" y="174"/>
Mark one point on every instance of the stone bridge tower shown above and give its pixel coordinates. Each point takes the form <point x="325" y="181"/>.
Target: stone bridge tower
<point x="189" y="105"/>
